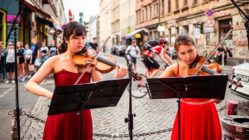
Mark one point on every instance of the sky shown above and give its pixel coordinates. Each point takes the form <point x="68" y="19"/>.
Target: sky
<point x="88" y="7"/>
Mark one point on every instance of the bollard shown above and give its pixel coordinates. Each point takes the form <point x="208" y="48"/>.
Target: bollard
<point x="13" y="131"/>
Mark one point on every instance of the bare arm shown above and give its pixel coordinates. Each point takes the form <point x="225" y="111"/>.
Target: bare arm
<point x="96" y="76"/>
<point x="33" y="84"/>
<point x="165" y="58"/>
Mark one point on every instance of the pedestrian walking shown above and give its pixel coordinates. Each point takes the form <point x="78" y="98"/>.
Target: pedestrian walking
<point x="28" y="62"/>
<point x="44" y="52"/>
<point x="3" y="61"/>
<point x="67" y="126"/>
<point x="199" y="119"/>
<point x="53" y="49"/>
<point x="35" y="51"/>
<point x="134" y="52"/>
<point x="20" y="61"/>
<point x="94" y="44"/>
<point x="10" y="63"/>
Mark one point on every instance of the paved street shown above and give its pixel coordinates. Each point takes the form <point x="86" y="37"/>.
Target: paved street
<point x="154" y="118"/>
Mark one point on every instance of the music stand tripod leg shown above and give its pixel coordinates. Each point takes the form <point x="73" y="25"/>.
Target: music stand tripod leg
<point x="82" y="107"/>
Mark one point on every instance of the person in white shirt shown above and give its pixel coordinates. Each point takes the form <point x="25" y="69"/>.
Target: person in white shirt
<point x="28" y="61"/>
<point x="134" y="51"/>
<point x="10" y="63"/>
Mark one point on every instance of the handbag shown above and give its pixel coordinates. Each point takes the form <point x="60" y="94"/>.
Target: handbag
<point x="37" y="62"/>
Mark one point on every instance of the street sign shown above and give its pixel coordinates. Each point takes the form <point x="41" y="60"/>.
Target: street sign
<point x="209" y="26"/>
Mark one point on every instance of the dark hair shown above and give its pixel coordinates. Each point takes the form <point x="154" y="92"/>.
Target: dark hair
<point x="72" y="28"/>
<point x="183" y="40"/>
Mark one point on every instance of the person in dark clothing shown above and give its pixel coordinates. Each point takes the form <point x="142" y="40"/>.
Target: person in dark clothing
<point x="94" y="44"/>
<point x="53" y="49"/>
<point x="34" y="47"/>
<point x="3" y="61"/>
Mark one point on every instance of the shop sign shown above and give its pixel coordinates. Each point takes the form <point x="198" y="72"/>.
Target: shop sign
<point x="221" y="13"/>
<point x="138" y="35"/>
<point x="171" y="23"/>
<point x="11" y="18"/>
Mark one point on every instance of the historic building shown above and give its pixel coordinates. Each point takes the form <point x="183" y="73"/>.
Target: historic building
<point x="207" y="21"/>
<point x="33" y="21"/>
<point x="104" y="22"/>
<point x="116" y="19"/>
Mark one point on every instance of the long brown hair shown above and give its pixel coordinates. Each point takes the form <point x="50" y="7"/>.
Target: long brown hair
<point x="183" y="40"/>
<point x="72" y="28"/>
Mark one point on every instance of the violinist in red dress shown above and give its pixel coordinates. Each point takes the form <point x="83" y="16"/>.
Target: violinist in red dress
<point x="66" y="72"/>
<point x="199" y="118"/>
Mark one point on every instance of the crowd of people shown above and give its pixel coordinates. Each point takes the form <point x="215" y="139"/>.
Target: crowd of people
<point x="29" y="58"/>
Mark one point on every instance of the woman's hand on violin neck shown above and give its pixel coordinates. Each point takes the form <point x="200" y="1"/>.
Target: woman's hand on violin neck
<point x="120" y="72"/>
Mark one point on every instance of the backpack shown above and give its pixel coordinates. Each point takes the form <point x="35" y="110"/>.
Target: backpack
<point x="151" y="43"/>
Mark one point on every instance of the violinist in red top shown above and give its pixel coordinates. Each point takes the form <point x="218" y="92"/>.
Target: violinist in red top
<point x="66" y="72"/>
<point x="199" y="118"/>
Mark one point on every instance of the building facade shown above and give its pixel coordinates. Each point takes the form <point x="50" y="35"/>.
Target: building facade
<point x="105" y="22"/>
<point x="33" y="22"/>
<point x="207" y="21"/>
<point x="92" y="31"/>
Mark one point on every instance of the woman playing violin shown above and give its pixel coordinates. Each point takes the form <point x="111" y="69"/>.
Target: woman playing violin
<point x="199" y="118"/>
<point x="66" y="126"/>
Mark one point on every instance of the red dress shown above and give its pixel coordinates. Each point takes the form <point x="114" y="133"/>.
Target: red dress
<point x="67" y="126"/>
<point x="199" y="120"/>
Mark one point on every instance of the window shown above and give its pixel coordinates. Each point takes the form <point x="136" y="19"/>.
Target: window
<point x="177" y="6"/>
<point x="185" y="3"/>
<point x="162" y="7"/>
<point x="169" y="6"/>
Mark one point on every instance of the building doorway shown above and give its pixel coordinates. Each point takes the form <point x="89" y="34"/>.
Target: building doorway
<point x="224" y="27"/>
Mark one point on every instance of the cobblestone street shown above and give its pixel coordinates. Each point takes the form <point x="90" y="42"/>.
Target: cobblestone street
<point x="154" y="118"/>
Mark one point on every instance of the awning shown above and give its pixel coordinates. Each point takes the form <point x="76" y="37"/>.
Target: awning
<point x="44" y="21"/>
<point x="32" y="7"/>
<point x="136" y="31"/>
<point x="55" y="24"/>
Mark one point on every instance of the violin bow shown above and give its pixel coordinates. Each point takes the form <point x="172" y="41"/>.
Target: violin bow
<point x="213" y="51"/>
<point x="97" y="52"/>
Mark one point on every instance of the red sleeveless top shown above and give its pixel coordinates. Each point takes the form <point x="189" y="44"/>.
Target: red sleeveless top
<point x="67" y="126"/>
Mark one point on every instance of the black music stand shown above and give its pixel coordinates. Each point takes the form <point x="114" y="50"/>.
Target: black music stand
<point x="188" y="87"/>
<point x="76" y="98"/>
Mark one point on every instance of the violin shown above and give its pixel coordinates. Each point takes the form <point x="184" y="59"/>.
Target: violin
<point x="103" y="64"/>
<point x="207" y="69"/>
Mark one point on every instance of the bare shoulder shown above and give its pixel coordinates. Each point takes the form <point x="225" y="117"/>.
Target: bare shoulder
<point x="170" y="71"/>
<point x="53" y="60"/>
